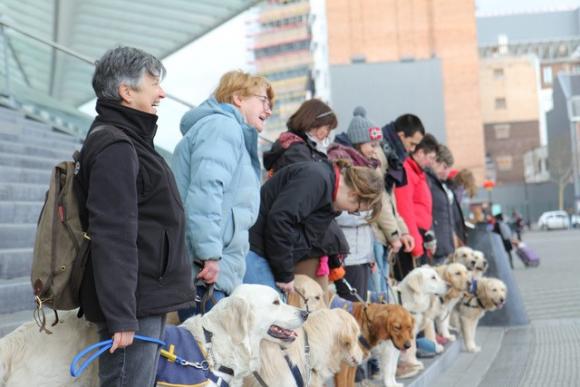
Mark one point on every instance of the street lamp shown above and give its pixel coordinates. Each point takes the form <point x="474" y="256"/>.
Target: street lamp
<point x="574" y="117"/>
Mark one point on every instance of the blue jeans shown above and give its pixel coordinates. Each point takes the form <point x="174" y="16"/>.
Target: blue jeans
<point x="258" y="271"/>
<point x="184" y="314"/>
<point x="136" y="364"/>
<point x="378" y="282"/>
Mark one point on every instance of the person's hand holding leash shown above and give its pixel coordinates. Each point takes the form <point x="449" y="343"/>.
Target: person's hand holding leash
<point x="122" y="340"/>
<point x="210" y="272"/>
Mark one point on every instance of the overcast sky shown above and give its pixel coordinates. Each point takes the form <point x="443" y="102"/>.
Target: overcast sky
<point x="194" y="71"/>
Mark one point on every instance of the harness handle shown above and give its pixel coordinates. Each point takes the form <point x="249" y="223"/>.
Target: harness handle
<point x="99" y="348"/>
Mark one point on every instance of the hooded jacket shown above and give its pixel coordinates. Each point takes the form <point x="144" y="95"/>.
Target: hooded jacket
<point x="137" y="265"/>
<point x="293" y="147"/>
<point x="295" y="211"/>
<point x="414" y="203"/>
<point x="217" y="171"/>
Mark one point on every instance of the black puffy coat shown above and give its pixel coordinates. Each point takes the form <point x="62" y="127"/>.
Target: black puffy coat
<point x="295" y="211"/>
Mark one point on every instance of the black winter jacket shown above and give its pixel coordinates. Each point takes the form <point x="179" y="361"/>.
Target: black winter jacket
<point x="295" y="211"/>
<point x="137" y="265"/>
<point x="294" y="147"/>
<point x="443" y="216"/>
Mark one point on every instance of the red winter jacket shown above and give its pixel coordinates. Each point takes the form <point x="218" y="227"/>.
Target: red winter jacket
<point x="414" y="203"/>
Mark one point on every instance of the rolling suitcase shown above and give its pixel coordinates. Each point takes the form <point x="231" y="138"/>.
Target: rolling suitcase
<point x="527" y="255"/>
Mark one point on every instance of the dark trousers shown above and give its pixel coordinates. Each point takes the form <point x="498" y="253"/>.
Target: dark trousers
<point x="136" y="364"/>
<point x="358" y="278"/>
<point x="403" y="265"/>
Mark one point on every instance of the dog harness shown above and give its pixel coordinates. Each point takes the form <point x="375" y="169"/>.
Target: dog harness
<point x="183" y="361"/>
<point x="338" y="302"/>
<point x="473" y="292"/>
<point x="293" y="367"/>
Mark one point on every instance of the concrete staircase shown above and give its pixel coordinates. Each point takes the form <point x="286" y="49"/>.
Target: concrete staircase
<point x="28" y="151"/>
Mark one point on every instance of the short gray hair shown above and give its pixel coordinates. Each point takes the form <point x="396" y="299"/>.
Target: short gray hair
<point x="123" y="65"/>
<point x="444" y="155"/>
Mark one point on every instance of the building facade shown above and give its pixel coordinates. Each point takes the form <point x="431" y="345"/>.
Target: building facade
<point x="289" y="47"/>
<point x="403" y="32"/>
<point x="510" y="110"/>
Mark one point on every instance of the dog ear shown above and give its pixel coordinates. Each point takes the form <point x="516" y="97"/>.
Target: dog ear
<point x="415" y="282"/>
<point x="240" y="320"/>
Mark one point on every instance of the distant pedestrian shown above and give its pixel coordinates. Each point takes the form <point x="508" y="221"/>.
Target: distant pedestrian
<point x="504" y="231"/>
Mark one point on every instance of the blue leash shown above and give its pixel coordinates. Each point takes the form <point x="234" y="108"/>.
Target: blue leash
<point x="101" y="347"/>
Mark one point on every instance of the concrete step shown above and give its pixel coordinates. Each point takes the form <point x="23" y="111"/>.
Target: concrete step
<point x="436" y="366"/>
<point x="20" y="212"/>
<point x="16" y="295"/>
<point x="38" y="130"/>
<point x="15" y="236"/>
<point x="10" y="115"/>
<point x="35" y="139"/>
<point x="34" y="150"/>
<point x="23" y="192"/>
<point x="15" y="263"/>
<point x="469" y="369"/>
<point x="11" y="321"/>
<point x="24" y="161"/>
<point x="24" y="175"/>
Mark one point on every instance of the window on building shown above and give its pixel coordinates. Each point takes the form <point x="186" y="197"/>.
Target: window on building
<point x="502" y="131"/>
<point x="500" y="103"/>
<point x="498" y="73"/>
<point x="547" y="75"/>
<point x="504" y="163"/>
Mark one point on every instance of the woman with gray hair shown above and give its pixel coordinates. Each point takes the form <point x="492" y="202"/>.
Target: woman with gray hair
<point x="137" y="269"/>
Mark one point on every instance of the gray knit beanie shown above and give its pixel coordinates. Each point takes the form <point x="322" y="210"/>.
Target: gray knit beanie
<point x="362" y="130"/>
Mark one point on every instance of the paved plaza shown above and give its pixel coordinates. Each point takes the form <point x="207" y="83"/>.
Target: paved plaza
<point x="547" y="351"/>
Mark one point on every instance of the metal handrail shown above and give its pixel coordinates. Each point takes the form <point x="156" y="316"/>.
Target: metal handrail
<point x="4" y="23"/>
<point x="70" y="52"/>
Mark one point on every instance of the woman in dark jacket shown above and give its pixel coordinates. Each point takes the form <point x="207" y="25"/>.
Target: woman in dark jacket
<point x="307" y="139"/>
<point x="297" y="205"/>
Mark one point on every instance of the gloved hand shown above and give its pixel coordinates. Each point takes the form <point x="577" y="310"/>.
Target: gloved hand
<point x="430" y="243"/>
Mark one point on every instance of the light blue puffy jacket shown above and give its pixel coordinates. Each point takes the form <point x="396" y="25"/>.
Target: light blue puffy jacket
<point x="217" y="171"/>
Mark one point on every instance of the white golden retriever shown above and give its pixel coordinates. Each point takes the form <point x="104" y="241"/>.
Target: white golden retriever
<point x="332" y="338"/>
<point x="489" y="295"/>
<point x="457" y="278"/>
<point x="414" y="293"/>
<point x="238" y="323"/>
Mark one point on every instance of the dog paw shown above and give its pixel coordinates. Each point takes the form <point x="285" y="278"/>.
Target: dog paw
<point x="451" y="337"/>
<point x="394" y="385"/>
<point x="473" y="348"/>
<point x="439" y="348"/>
<point x="419" y="365"/>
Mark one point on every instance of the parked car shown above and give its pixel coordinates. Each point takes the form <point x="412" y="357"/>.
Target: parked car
<point x="554" y="220"/>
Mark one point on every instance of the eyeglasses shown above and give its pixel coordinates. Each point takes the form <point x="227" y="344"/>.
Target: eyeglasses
<point x="265" y="100"/>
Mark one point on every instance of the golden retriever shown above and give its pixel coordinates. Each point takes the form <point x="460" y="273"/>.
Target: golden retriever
<point x="474" y="260"/>
<point x="238" y="323"/>
<point x="380" y="324"/>
<point x="332" y="336"/>
<point x="457" y="278"/>
<point x="490" y="294"/>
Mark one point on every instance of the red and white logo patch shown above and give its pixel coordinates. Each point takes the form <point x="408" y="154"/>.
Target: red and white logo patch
<point x="375" y="134"/>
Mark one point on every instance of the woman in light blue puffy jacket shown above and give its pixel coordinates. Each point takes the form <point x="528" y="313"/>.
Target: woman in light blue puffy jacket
<point x="217" y="171"/>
